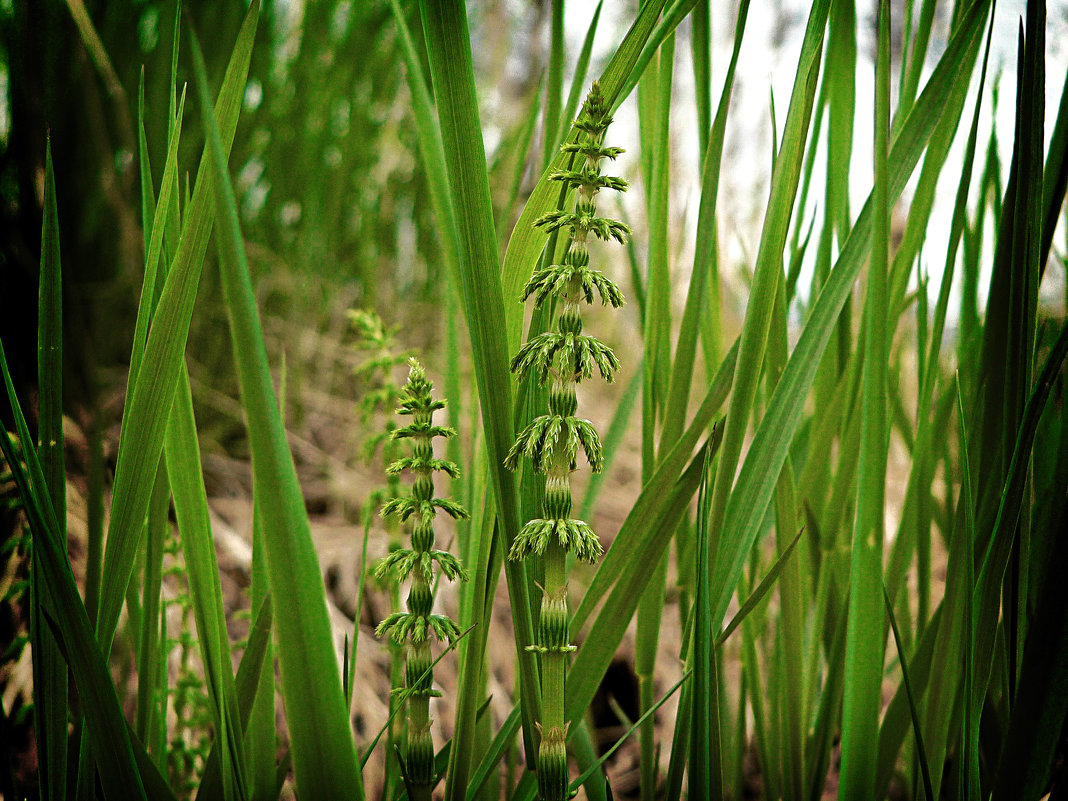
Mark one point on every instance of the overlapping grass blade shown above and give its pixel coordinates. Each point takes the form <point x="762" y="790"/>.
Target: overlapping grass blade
<point x="907" y="684"/>
<point x="588" y="772"/>
<point x="768" y="271"/>
<point x="256" y="657"/>
<point x="607" y="629"/>
<point x="1041" y="702"/>
<point x="771" y="441"/>
<point x="324" y="755"/>
<point x="107" y="730"/>
<point x="143" y="424"/>
<point x="651" y="504"/>
<point x="704" y="260"/>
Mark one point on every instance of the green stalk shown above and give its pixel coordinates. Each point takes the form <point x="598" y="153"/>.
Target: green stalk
<point x="865" y="628"/>
<point x="415" y="627"/>
<point x="552" y="441"/>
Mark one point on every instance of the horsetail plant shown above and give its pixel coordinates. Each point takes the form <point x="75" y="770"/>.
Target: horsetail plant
<point x="551" y="441"/>
<point x="415" y="627"/>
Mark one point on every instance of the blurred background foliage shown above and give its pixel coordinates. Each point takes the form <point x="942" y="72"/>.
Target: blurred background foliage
<point x="333" y="198"/>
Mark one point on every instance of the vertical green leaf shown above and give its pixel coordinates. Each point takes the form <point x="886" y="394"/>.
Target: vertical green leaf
<point x="864" y="629"/>
<point x="449" y="47"/>
<point x="49" y="669"/>
<point x="321" y="742"/>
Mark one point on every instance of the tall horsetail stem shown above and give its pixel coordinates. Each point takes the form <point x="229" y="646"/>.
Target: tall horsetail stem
<point x="414" y="628"/>
<point x="562" y="358"/>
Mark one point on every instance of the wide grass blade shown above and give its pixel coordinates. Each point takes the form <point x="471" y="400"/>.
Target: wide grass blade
<point x="449" y="48"/>
<point x="321" y="742"/>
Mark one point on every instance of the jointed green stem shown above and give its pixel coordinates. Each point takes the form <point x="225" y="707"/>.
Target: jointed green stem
<point x="415" y="627"/>
<point x="565" y="356"/>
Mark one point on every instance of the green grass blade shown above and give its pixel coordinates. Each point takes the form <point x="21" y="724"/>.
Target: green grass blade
<point x="1055" y="177"/>
<point x="49" y="670"/>
<point x="617" y="428"/>
<point x="1041" y="703"/>
<point x="586" y="774"/>
<point x="142" y="438"/>
<point x="706" y="771"/>
<point x="502" y="741"/>
<point x="321" y="741"/>
<point x="768" y="450"/>
<point x="430" y="146"/>
<point x="261" y="736"/>
<point x="182" y="454"/>
<point x="150" y="725"/>
<point x="651" y="503"/>
<point x="578" y="82"/>
<point x="916" y="728"/>
<point x="762" y="589"/>
<point x="110" y="743"/>
<point x="995" y="561"/>
<point x="704" y="260"/>
<point x="864" y="633"/>
<point x="656" y="364"/>
<point x="160" y="219"/>
<point x="897" y="719"/>
<point x="554" y="90"/>
<point x="606" y="632"/>
<point x="449" y="47"/>
<point x="753" y="339"/>
<point x="970" y="734"/>
<point x="256" y="658"/>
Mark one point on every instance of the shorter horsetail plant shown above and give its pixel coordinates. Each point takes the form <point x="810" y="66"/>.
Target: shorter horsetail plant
<point x="565" y="356"/>
<point x="415" y="627"/>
